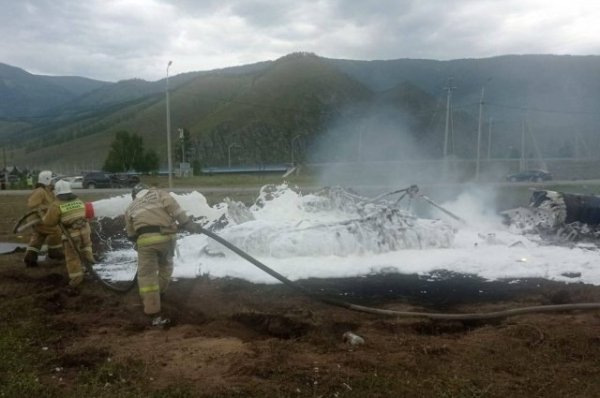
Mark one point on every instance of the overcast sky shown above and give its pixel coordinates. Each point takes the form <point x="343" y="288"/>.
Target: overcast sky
<point x="121" y="39"/>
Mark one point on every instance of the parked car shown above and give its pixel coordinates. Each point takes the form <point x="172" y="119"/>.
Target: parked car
<point x="530" y="175"/>
<point x="76" y="182"/>
<point x="97" y="179"/>
<point x="124" y="180"/>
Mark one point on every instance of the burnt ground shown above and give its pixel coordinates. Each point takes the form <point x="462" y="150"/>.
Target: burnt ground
<point x="231" y="338"/>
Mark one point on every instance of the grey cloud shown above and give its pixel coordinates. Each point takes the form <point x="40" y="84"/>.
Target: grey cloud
<point x="261" y="13"/>
<point x="110" y="40"/>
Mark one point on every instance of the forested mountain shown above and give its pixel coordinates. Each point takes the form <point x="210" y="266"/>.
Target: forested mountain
<point x="24" y="95"/>
<point x="321" y="109"/>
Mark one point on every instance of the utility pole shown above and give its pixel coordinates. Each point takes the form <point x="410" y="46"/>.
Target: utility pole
<point x="479" y="135"/>
<point x="5" y="168"/>
<point x="181" y="137"/>
<point x="292" y="148"/>
<point x="541" y="163"/>
<point x="522" y="163"/>
<point x="360" y="138"/>
<point x="489" y="149"/>
<point x="229" y="153"/>
<point x="169" y="160"/>
<point x="449" y="89"/>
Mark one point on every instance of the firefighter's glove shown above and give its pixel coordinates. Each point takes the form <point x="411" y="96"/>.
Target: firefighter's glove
<point x="133" y="239"/>
<point x="192" y="227"/>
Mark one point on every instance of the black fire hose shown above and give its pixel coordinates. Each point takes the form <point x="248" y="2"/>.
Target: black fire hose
<point x="90" y="267"/>
<point x="393" y="313"/>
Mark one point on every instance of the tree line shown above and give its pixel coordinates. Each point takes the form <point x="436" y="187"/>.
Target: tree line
<point x="127" y="153"/>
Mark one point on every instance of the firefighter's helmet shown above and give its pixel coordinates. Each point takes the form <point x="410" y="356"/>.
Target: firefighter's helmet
<point x="62" y="187"/>
<point x="137" y="189"/>
<point x="45" y="177"/>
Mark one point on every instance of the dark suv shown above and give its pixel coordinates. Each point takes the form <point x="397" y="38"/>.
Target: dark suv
<point x="97" y="179"/>
<point x="124" y="180"/>
<point x="530" y="175"/>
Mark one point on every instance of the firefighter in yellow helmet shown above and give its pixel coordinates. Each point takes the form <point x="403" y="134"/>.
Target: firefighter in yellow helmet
<point x="40" y="199"/>
<point x="151" y="221"/>
<point x="69" y="210"/>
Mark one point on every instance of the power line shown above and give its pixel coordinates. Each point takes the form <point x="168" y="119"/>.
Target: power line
<point x="526" y="109"/>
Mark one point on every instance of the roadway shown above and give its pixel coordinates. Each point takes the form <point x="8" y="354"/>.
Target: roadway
<point x="357" y="187"/>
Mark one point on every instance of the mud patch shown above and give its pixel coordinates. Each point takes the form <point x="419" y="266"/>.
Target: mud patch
<point x="180" y="354"/>
<point x="273" y="325"/>
<point x="440" y="290"/>
<point x="83" y="358"/>
<point x="53" y="303"/>
<point x="436" y="328"/>
<point x="44" y="278"/>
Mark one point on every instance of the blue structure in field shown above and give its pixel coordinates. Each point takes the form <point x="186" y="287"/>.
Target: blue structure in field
<point x="259" y="169"/>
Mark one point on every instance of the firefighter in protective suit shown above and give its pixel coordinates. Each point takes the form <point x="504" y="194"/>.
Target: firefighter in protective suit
<point x="40" y="199"/>
<point x="69" y="210"/>
<point x="151" y="221"/>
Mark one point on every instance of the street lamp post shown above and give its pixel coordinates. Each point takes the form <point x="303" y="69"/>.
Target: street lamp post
<point x="169" y="160"/>
<point x="229" y="153"/>
<point x="181" y="137"/>
<point x="478" y="159"/>
<point x="449" y="89"/>
<point x="489" y="148"/>
<point x="479" y="135"/>
<point x="292" y="147"/>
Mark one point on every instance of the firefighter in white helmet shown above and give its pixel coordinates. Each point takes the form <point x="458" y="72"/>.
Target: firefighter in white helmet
<point x="151" y="221"/>
<point x="69" y="210"/>
<point x="40" y="199"/>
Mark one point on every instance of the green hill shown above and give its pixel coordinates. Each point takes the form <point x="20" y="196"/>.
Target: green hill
<point x="325" y="109"/>
<point x="26" y="95"/>
<point x="260" y="110"/>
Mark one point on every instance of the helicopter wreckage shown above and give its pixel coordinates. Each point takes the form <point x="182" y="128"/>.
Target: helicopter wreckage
<point x="375" y="225"/>
<point x="558" y="218"/>
<point x="371" y="225"/>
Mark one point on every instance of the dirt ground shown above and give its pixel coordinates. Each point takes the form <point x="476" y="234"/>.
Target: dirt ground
<point x="230" y="338"/>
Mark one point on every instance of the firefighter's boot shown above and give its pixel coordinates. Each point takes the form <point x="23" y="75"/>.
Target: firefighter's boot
<point x="56" y="254"/>
<point x="76" y="281"/>
<point x="30" y="258"/>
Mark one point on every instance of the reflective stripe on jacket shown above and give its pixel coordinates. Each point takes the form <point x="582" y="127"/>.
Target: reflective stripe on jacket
<point x="153" y="238"/>
<point x="71" y="211"/>
<point x="149" y="289"/>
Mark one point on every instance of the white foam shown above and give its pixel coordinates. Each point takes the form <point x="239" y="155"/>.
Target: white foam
<point x="305" y="237"/>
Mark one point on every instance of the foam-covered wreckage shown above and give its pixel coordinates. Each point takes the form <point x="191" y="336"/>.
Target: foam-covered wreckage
<point x="372" y="226"/>
<point x="558" y="217"/>
<point x="359" y="225"/>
